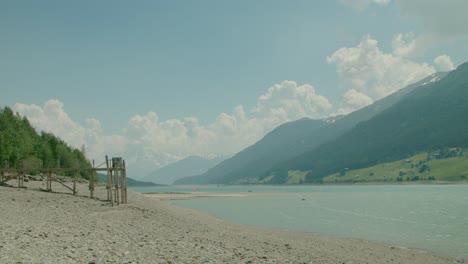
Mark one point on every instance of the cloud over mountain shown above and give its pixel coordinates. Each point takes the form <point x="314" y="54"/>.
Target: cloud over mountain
<point x="290" y="101"/>
<point x="444" y="63"/>
<point x="146" y="138"/>
<point x="366" y="72"/>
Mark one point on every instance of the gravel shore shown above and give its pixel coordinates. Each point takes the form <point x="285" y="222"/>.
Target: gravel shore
<point x="42" y="227"/>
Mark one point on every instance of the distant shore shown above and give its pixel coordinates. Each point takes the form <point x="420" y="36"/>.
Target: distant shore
<point x="326" y="184"/>
<point x="59" y="227"/>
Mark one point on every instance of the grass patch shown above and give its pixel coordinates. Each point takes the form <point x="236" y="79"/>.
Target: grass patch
<point x="415" y="168"/>
<point x="296" y="176"/>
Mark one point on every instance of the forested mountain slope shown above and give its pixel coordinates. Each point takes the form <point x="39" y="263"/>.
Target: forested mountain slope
<point x="284" y="141"/>
<point x="431" y="117"/>
<point x="292" y="139"/>
<point x="20" y="142"/>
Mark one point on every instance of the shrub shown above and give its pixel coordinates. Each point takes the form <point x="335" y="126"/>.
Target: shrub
<point x="424" y="168"/>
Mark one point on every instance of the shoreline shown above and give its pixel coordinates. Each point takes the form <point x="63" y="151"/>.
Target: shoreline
<point x="57" y="227"/>
<point x="292" y="233"/>
<point x="418" y="183"/>
<point x="189" y="195"/>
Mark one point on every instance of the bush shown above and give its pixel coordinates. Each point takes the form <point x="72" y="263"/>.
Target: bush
<point x="424" y="168"/>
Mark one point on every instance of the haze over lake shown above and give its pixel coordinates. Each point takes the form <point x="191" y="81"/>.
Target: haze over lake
<point x="429" y="217"/>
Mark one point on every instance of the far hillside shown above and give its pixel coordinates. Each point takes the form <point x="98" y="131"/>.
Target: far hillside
<point x="293" y="139"/>
<point x="130" y="181"/>
<point x="431" y="117"/>
<point x="190" y="166"/>
<point x="445" y="165"/>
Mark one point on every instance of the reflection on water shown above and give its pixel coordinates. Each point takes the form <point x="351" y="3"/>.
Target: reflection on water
<point x="432" y="217"/>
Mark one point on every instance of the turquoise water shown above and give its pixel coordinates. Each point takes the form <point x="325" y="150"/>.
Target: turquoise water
<point x="430" y="217"/>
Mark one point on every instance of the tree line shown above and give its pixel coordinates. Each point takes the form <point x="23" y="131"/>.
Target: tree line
<point x="20" y="142"/>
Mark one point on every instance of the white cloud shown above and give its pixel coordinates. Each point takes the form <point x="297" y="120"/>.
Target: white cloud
<point x="444" y="63"/>
<point x="148" y="142"/>
<point x="356" y="99"/>
<point x="290" y="101"/>
<point x="365" y="72"/>
<point x="52" y="118"/>
<point x="229" y="132"/>
<point x="404" y="45"/>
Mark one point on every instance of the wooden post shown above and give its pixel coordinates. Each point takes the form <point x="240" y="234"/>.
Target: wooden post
<point x="91" y="182"/>
<point x="75" y="174"/>
<point x="49" y="181"/>
<point x="109" y="182"/>
<point x="3" y="172"/>
<point x="124" y="182"/>
<point x="122" y="192"/>
<point x="116" y="181"/>
<point x="20" y="174"/>
<point x="19" y="177"/>
<point x="25" y="168"/>
<point x="74" y="183"/>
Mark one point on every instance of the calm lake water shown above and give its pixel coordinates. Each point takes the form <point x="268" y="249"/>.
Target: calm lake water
<point x="430" y="217"/>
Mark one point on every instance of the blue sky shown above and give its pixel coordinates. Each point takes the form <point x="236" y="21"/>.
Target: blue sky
<point x="168" y="79"/>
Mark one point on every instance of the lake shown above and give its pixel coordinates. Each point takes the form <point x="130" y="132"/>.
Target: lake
<point x="429" y="217"/>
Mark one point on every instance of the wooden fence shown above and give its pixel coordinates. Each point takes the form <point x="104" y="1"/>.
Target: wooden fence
<point x="116" y="185"/>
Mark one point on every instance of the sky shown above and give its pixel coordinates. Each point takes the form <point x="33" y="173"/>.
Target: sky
<point x="157" y="81"/>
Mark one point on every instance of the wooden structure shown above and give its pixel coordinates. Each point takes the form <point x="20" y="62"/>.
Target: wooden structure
<point x="116" y="178"/>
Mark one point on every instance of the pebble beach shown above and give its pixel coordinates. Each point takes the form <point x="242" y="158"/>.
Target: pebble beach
<point x="58" y="227"/>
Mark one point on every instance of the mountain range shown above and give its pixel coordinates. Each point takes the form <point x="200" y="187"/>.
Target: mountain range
<point x="390" y="128"/>
<point x="431" y="117"/>
<point x="189" y="166"/>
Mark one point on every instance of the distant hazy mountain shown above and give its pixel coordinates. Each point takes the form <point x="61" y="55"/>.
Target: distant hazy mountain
<point x="190" y="166"/>
<point x="130" y="182"/>
<point x="283" y="142"/>
<point x="433" y="116"/>
<point x="293" y="139"/>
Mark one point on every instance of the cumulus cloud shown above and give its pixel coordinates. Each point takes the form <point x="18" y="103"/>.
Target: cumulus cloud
<point x="404" y="45"/>
<point x="365" y="72"/>
<point x="356" y="100"/>
<point x="289" y="101"/>
<point x="51" y="117"/>
<point x="148" y="142"/>
<point x="444" y="63"/>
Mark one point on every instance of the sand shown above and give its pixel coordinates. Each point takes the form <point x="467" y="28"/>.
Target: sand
<point x="42" y="227"/>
